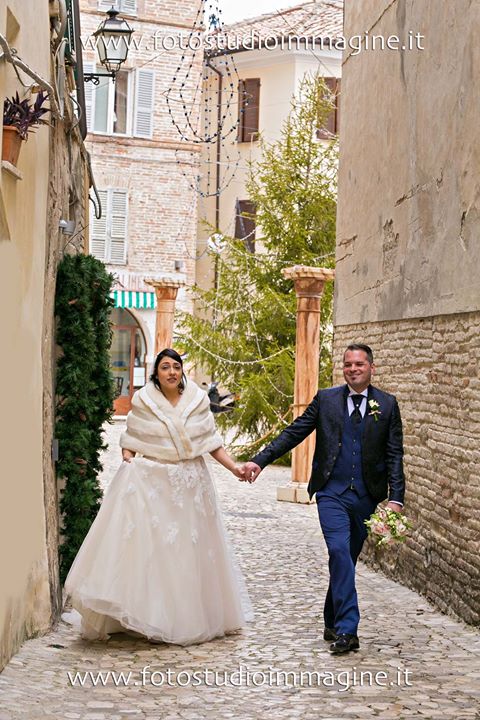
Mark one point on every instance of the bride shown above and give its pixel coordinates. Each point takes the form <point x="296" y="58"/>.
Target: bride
<point x="156" y="559"/>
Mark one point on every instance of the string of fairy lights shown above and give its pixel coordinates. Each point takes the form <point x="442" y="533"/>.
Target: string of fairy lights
<point x="208" y="156"/>
<point x="195" y="57"/>
<point x="211" y="73"/>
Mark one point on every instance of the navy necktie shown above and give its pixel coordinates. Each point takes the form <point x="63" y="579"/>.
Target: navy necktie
<point x="356" y="415"/>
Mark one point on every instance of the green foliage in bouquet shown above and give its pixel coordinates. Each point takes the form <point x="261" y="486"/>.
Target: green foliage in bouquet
<point x="243" y="331"/>
<point x="84" y="392"/>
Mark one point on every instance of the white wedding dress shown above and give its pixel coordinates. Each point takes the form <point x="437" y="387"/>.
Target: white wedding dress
<point x="156" y="560"/>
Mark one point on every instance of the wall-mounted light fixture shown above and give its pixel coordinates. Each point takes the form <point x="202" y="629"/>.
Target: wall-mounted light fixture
<point x="67" y="226"/>
<point x="113" y="42"/>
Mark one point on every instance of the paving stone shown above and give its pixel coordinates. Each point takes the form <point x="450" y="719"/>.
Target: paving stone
<point x="283" y="557"/>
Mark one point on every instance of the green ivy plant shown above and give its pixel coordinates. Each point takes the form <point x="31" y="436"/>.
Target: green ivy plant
<point x="84" y="393"/>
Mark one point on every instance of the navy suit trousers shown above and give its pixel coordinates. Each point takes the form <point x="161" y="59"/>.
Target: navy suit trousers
<point x="342" y="520"/>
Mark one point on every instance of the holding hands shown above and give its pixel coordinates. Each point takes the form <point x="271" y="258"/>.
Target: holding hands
<point x="251" y="471"/>
<point x="248" y="472"/>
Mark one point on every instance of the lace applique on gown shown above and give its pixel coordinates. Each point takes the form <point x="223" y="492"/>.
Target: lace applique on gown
<point x="157" y="560"/>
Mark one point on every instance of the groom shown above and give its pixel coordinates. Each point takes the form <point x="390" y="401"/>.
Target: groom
<point x="358" y="462"/>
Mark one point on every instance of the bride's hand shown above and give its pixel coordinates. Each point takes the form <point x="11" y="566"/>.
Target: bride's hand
<point x="239" y="472"/>
<point x="127" y="455"/>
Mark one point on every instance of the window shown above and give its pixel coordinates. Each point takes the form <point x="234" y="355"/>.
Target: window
<point x="248" y="109"/>
<point x="245" y="223"/>
<point x="108" y="236"/>
<point x="123" y="107"/>
<point x="332" y="124"/>
<point x="128" y="7"/>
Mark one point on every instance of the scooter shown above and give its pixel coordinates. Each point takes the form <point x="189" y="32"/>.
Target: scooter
<point x="219" y="403"/>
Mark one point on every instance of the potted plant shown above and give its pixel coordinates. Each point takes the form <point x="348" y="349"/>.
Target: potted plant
<point x="19" y="119"/>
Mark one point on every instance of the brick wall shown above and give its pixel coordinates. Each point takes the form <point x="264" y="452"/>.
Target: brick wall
<point x="158" y="172"/>
<point x="431" y="365"/>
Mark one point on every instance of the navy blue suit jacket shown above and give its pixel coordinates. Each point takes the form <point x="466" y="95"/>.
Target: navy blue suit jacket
<point x="382" y="442"/>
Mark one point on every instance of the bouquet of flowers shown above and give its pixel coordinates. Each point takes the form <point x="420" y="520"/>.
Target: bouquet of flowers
<point x="388" y="526"/>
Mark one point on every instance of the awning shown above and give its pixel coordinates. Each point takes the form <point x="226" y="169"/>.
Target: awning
<point x="133" y="299"/>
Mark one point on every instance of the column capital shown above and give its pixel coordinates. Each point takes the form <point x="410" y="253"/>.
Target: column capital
<point x="304" y="272"/>
<point x="165" y="287"/>
<point x="309" y="281"/>
<point x="164" y="281"/>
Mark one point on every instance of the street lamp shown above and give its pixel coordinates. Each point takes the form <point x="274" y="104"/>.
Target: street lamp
<point x="113" y="42"/>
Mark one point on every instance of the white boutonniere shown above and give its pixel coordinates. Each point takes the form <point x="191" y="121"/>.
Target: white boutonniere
<point x="374" y="409"/>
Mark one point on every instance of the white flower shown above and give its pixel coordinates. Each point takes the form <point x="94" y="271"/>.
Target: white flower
<point x="127" y="534"/>
<point x="374" y="409"/>
<point x="172" y="533"/>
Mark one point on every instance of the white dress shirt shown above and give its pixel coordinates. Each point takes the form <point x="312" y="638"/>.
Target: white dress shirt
<point x="363" y="410"/>
<point x="363" y="404"/>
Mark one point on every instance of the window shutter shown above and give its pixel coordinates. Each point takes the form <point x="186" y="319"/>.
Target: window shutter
<point x="118" y="226"/>
<point x="245" y="223"/>
<point x="330" y="124"/>
<point x="107" y="4"/>
<point x="98" y="234"/>
<point x="249" y="102"/>
<point x="241" y="110"/>
<point x="89" y="96"/>
<point x="129" y="7"/>
<point x="144" y="103"/>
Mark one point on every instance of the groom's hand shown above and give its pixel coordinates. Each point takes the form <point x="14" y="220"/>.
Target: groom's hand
<point x="396" y="507"/>
<point x="252" y="471"/>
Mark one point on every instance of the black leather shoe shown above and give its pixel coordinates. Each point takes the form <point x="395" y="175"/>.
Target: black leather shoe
<point x="329" y="634"/>
<point x="344" y="643"/>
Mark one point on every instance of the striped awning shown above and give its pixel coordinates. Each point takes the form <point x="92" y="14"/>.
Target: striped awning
<point x="133" y="299"/>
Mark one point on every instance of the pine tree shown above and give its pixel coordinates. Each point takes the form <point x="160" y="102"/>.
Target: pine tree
<point x="249" y="318"/>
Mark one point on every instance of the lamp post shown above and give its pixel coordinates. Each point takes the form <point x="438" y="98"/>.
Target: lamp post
<point x="113" y="42"/>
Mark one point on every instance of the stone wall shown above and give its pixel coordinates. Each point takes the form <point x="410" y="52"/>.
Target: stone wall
<point x="407" y="277"/>
<point x="67" y="200"/>
<point x="431" y="365"/>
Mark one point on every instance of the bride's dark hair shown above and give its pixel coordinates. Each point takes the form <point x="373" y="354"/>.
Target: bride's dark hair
<point x="168" y="352"/>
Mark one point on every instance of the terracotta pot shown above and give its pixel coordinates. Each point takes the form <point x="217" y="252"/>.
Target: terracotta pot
<point x="12" y="142"/>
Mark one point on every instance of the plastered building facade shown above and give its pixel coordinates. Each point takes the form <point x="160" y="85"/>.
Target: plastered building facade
<point x="49" y="184"/>
<point x="278" y="66"/>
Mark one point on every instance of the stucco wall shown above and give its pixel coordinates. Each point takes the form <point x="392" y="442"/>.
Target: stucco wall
<point x="24" y="587"/>
<point x="51" y="184"/>
<point x="409" y="157"/>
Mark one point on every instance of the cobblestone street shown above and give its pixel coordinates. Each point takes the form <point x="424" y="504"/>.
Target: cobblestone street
<point x="282" y="553"/>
